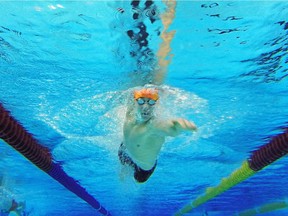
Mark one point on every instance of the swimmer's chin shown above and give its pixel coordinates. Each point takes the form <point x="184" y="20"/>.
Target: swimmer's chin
<point x="144" y="117"/>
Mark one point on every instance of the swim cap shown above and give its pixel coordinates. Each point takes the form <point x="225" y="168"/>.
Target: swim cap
<point x="147" y="93"/>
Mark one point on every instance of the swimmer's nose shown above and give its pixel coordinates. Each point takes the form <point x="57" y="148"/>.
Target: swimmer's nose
<point x="146" y="106"/>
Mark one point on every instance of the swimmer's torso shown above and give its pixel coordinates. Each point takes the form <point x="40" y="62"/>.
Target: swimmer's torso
<point x="142" y="143"/>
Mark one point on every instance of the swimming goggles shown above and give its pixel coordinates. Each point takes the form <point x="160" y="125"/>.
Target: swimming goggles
<point x="141" y="102"/>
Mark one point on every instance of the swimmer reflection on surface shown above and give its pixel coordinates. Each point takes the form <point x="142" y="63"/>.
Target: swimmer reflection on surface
<point x="144" y="133"/>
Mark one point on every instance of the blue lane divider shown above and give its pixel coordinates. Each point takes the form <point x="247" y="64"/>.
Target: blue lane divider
<point x="14" y="134"/>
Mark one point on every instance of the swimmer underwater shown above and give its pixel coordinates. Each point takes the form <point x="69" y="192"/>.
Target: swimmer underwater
<point x="144" y="134"/>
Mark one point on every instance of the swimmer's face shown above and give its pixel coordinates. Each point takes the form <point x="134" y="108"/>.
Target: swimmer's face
<point x="145" y="107"/>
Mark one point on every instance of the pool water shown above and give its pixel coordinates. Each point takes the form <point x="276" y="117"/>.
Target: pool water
<point x="67" y="69"/>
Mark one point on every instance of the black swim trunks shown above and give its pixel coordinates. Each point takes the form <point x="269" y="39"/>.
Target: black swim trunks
<point x="139" y="174"/>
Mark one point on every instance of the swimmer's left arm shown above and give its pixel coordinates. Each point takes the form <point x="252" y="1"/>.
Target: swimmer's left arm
<point x="174" y="127"/>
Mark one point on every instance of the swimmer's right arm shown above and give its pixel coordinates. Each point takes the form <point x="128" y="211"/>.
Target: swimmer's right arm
<point x="129" y="112"/>
<point x="130" y="108"/>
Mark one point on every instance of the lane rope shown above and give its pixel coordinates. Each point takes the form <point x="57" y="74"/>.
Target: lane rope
<point x="14" y="134"/>
<point x="276" y="148"/>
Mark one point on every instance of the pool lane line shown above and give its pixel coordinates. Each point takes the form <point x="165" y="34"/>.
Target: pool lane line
<point x="14" y="134"/>
<point x="268" y="207"/>
<point x="276" y="148"/>
<point x="164" y="53"/>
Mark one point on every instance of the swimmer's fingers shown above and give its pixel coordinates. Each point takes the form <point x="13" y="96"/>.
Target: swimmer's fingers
<point x="191" y="126"/>
<point x="188" y="125"/>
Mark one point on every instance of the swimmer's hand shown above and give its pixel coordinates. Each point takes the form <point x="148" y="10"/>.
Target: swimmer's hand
<point x="179" y="125"/>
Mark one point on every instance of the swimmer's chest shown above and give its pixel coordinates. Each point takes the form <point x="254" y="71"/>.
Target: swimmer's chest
<point x="140" y="131"/>
<point x="142" y="136"/>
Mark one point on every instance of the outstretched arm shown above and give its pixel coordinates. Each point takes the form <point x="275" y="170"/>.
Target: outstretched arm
<point x="164" y="53"/>
<point x="174" y="127"/>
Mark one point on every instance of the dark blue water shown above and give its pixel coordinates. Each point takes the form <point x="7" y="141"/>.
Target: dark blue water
<point x="66" y="70"/>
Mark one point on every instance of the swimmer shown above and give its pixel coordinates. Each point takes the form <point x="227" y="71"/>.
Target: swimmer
<point x="144" y="133"/>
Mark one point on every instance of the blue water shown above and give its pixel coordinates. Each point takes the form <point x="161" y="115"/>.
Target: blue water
<point x="66" y="70"/>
